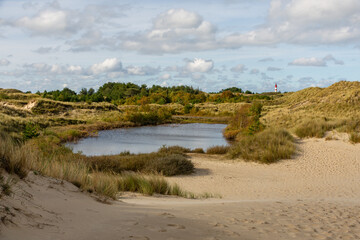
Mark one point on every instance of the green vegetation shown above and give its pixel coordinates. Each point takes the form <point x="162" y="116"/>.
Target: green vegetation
<point x="30" y="131"/>
<point x="106" y="175"/>
<point x="246" y="121"/>
<point x="5" y="186"/>
<point x="165" y="163"/>
<point x="267" y="146"/>
<point x="34" y="126"/>
<point x="132" y="94"/>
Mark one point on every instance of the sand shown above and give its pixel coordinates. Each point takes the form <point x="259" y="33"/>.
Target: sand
<point x="316" y="195"/>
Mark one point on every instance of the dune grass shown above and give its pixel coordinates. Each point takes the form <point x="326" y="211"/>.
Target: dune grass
<point x="217" y="150"/>
<point x="12" y="159"/>
<point x="267" y="146"/>
<point x="316" y="128"/>
<point x="44" y="156"/>
<point x="168" y="161"/>
<point x="5" y="186"/>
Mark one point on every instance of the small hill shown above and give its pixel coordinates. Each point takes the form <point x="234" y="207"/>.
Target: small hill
<point x="340" y="100"/>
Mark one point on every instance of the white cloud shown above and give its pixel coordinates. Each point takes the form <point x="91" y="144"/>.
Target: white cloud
<point x="304" y="22"/>
<point x="174" y="31"/>
<point x="4" y="62"/>
<point x="74" y="69"/>
<point x="141" y="71"/>
<point x="49" y="21"/>
<point x="55" y="69"/>
<point x="177" y="18"/>
<point x="240" y="68"/>
<point x="199" y="65"/>
<point x="108" y="65"/>
<point x="165" y="76"/>
<point x="316" y="62"/>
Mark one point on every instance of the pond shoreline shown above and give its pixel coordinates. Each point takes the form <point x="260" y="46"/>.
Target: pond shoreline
<point x="147" y="139"/>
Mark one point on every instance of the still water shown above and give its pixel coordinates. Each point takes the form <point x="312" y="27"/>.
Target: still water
<point x="151" y="138"/>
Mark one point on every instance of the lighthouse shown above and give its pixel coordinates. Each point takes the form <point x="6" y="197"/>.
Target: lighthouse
<point x="275" y="87"/>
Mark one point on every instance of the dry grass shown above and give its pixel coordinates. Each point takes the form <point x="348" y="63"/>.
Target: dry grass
<point x="217" y="150"/>
<point x="45" y="157"/>
<point x="316" y="128"/>
<point x="267" y="146"/>
<point x="12" y="158"/>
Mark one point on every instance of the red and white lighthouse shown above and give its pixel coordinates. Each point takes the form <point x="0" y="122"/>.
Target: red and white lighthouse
<point x="275" y="87"/>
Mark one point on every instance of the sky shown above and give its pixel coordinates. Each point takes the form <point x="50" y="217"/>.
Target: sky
<point x="211" y="45"/>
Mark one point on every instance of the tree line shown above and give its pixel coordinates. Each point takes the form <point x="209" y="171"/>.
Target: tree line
<point x="130" y="93"/>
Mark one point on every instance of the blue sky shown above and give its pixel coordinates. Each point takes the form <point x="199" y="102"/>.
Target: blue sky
<point x="47" y="45"/>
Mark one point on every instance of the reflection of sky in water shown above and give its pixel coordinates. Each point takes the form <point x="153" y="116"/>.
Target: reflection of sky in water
<point x="151" y="138"/>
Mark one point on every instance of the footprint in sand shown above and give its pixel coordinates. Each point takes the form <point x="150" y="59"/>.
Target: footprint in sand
<point x="167" y="215"/>
<point x="138" y="237"/>
<point x="177" y="226"/>
<point x="155" y="228"/>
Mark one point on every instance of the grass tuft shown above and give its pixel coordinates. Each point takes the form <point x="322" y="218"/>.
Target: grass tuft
<point x="218" y="150"/>
<point x="198" y="150"/>
<point x="355" y="137"/>
<point x="267" y="146"/>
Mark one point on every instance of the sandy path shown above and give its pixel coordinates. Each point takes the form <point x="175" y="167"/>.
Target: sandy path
<point x="322" y="170"/>
<point x="314" y="196"/>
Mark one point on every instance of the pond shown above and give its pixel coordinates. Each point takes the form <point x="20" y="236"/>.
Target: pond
<point x="150" y="138"/>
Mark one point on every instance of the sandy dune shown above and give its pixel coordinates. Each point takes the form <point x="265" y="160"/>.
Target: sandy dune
<point x="313" y="196"/>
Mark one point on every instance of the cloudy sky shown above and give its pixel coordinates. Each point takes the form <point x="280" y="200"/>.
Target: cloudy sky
<point x="210" y="44"/>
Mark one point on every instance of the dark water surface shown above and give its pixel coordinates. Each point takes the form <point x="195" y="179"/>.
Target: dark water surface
<point x="151" y="138"/>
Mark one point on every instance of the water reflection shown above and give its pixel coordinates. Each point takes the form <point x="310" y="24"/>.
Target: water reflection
<point x="151" y="138"/>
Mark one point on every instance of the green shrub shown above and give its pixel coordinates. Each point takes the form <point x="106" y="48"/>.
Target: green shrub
<point x="30" y="131"/>
<point x="267" y="146"/>
<point x="246" y="121"/>
<point x="187" y="108"/>
<point x="168" y="161"/>
<point x="170" y="165"/>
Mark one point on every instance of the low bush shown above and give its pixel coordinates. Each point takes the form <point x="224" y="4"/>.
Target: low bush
<point x="170" y="165"/>
<point x="218" y="150"/>
<point x="30" y="131"/>
<point x="267" y="146"/>
<point x="162" y="162"/>
<point x="198" y="150"/>
<point x="355" y="137"/>
<point x="173" y="150"/>
<point x="246" y="121"/>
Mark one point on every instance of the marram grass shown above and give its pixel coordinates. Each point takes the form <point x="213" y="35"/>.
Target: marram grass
<point x="267" y="146"/>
